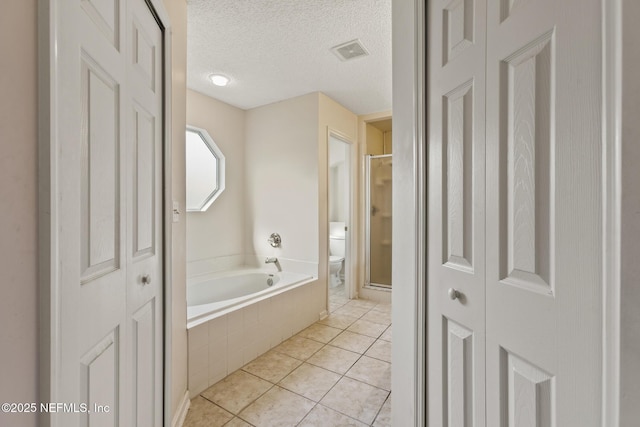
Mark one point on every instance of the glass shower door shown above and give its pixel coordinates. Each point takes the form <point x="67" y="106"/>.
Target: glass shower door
<point x="378" y="227"/>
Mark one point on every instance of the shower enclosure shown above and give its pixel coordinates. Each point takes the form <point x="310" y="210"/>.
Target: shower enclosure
<point x="378" y="221"/>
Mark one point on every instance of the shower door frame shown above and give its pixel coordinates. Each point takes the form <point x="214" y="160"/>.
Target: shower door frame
<point x="367" y="224"/>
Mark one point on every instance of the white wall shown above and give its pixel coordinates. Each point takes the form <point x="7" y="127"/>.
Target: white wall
<point x="18" y="191"/>
<point x="281" y="164"/>
<point x="216" y="236"/>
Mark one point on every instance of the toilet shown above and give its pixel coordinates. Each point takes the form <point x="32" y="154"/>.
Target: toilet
<point x="336" y="252"/>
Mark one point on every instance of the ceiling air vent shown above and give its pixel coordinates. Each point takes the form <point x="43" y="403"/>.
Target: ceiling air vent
<point x="350" y="50"/>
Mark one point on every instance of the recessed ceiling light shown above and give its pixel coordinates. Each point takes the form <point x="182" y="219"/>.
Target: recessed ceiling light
<point x="219" y="79"/>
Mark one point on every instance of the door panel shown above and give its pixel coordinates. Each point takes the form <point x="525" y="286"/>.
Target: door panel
<point x="459" y="379"/>
<point x="100" y="197"/>
<point x="106" y="17"/>
<point x="143" y="185"/>
<point x="456" y="213"/>
<point x="527" y="393"/>
<point x="457" y="150"/>
<point x="99" y="385"/>
<point x="543" y="213"/>
<point x="526" y="92"/>
<point x="145" y="360"/>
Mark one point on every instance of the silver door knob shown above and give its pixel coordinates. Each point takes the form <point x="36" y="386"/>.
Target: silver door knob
<point x="146" y="279"/>
<point x="454" y="294"/>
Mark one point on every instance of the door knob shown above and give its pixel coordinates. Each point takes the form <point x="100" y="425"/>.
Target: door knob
<point x="146" y="279"/>
<point x="454" y="294"/>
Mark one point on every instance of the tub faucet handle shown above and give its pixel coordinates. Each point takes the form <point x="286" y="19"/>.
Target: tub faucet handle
<point x="270" y="260"/>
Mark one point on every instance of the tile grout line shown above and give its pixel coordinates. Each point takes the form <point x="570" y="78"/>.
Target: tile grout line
<point x="247" y="405"/>
<point x="380" y="410"/>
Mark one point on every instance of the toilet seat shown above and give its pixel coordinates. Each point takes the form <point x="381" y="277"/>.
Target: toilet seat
<point x="335" y="258"/>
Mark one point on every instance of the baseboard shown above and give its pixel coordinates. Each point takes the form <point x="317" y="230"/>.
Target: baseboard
<point x="323" y="314"/>
<point x="181" y="413"/>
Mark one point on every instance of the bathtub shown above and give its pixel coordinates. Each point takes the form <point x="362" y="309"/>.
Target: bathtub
<point x="218" y="294"/>
<point x="235" y="316"/>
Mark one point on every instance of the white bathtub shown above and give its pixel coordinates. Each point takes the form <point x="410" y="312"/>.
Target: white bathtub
<point x="220" y="293"/>
<point x="235" y="316"/>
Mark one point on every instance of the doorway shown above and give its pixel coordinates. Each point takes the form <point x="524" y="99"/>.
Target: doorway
<point x="376" y="203"/>
<point x="339" y="175"/>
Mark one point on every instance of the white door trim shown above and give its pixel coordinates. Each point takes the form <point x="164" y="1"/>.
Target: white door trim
<point x="49" y="288"/>
<point x="409" y="214"/>
<point x="611" y="209"/>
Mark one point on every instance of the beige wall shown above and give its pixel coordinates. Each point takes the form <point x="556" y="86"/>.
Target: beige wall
<point x="219" y="232"/>
<point x="377" y="141"/>
<point x="388" y="142"/>
<point x="286" y="177"/>
<point x="18" y="190"/>
<point x="177" y="10"/>
<point x="281" y="155"/>
<point x="374" y="140"/>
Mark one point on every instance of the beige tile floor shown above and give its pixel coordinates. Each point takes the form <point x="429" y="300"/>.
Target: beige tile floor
<point x="337" y="372"/>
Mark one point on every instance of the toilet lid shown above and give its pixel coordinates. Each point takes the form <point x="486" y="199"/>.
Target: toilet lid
<point x="334" y="258"/>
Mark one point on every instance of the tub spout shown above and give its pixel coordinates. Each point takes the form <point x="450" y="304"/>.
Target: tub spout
<point x="273" y="260"/>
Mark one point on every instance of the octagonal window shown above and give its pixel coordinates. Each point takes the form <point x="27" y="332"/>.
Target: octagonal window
<point x="205" y="170"/>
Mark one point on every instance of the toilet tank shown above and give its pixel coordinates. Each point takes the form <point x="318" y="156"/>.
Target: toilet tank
<point x="336" y="238"/>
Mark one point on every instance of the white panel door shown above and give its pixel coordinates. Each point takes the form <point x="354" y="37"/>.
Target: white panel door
<point x="544" y="248"/>
<point x="521" y="337"/>
<point x="108" y="168"/>
<point x="144" y="123"/>
<point x="456" y="237"/>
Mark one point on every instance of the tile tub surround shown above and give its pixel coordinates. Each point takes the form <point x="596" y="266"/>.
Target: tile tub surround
<point x="224" y="344"/>
<point x="324" y="375"/>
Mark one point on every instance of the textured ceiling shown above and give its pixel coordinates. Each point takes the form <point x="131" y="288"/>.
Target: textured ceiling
<point x="278" y="49"/>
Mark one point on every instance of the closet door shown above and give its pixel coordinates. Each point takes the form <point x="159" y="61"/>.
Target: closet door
<point x="144" y="121"/>
<point x="106" y="235"/>
<point x="544" y="242"/>
<point x="456" y="237"/>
